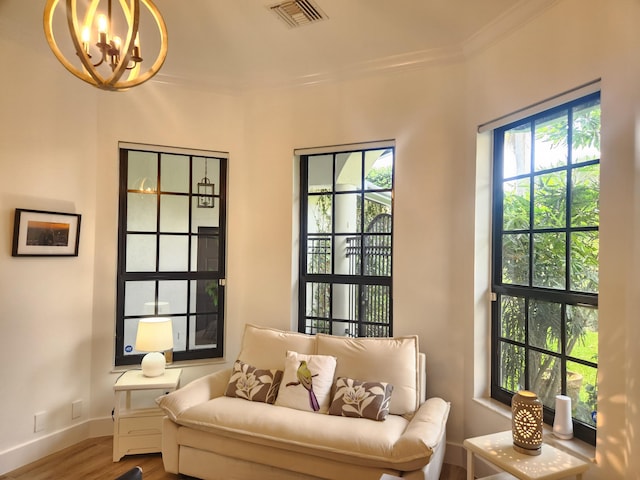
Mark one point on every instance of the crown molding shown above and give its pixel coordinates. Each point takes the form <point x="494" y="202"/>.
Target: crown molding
<point x="511" y="20"/>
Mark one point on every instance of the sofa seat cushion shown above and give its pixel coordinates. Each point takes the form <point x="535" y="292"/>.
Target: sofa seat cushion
<point x="352" y="440"/>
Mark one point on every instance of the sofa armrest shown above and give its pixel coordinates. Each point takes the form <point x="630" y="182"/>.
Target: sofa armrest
<point x="427" y="427"/>
<point x="196" y="392"/>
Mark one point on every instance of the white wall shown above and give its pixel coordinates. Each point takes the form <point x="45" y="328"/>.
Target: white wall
<point x="59" y="151"/>
<point x="573" y="43"/>
<point x="47" y="152"/>
<point x="419" y="109"/>
<point x="157" y="115"/>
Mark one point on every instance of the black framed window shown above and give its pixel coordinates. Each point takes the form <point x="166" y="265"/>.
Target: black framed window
<point x="346" y="242"/>
<point x="545" y="259"/>
<point x="171" y="249"/>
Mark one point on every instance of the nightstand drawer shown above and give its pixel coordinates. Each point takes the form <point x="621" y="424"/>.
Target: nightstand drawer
<point x="137" y="429"/>
<point x="141" y="425"/>
<point x="135" y="444"/>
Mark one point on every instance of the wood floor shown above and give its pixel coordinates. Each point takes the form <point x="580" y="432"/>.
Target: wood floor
<point x="91" y="460"/>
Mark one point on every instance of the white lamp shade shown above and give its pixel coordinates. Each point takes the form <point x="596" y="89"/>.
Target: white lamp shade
<point x="154" y="335"/>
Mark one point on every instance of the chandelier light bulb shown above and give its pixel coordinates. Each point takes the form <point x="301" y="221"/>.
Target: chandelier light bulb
<point x="102" y="24"/>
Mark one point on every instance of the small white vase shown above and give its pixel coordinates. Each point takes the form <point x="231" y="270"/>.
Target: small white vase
<point x="562" y="423"/>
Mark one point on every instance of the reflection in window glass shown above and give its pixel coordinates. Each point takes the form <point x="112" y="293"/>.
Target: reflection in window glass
<point x="175" y="173"/>
<point x="142" y="212"/>
<point x="138" y="296"/>
<point x="174" y="214"/>
<point x="142" y="172"/>
<point x="141" y="253"/>
<point x="171" y="251"/>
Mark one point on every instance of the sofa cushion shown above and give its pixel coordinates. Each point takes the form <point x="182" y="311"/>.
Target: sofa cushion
<point x="388" y="360"/>
<point x="352" y="440"/>
<point x="253" y="384"/>
<point x="267" y="347"/>
<point x="353" y="398"/>
<point x="306" y="383"/>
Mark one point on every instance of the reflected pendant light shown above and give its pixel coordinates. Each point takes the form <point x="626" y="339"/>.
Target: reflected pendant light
<point x="106" y="44"/>
<point x="205" y="190"/>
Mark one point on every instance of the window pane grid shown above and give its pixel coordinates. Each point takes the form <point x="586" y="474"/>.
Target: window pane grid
<point x="178" y="249"/>
<point x="346" y="240"/>
<point x="546" y="242"/>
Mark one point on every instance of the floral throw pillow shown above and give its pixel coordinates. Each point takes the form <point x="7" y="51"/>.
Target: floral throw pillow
<point x="252" y="384"/>
<point x="361" y="399"/>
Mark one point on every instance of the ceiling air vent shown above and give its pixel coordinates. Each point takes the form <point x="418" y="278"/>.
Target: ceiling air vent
<point x="296" y="13"/>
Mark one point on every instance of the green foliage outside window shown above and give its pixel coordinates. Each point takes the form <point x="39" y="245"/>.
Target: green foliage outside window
<point x="541" y="239"/>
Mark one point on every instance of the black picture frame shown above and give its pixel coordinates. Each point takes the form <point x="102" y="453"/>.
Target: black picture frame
<point x="40" y="233"/>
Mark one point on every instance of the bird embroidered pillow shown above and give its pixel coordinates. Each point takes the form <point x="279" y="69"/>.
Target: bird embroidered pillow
<point x="306" y="383"/>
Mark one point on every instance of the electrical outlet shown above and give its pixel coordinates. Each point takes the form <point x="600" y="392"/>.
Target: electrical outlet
<point x="76" y="409"/>
<point x="39" y="421"/>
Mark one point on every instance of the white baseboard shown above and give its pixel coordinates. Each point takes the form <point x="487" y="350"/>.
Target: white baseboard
<point x="100" y="427"/>
<point x="20" y="455"/>
<point x="455" y="455"/>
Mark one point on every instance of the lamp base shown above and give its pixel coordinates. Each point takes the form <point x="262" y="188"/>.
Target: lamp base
<point x="527" y="451"/>
<point x="153" y="364"/>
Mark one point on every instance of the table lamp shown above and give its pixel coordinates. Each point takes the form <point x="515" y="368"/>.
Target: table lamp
<point x="154" y="335"/>
<point x="526" y="423"/>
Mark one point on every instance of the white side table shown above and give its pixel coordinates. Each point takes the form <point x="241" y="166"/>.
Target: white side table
<point x="139" y="430"/>
<point x="497" y="449"/>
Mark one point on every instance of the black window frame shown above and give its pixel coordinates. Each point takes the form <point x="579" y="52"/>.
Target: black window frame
<point x="218" y="276"/>
<point x="565" y="297"/>
<point x="362" y="283"/>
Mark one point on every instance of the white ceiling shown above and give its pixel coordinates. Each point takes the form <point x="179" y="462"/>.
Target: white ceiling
<point x="242" y="43"/>
<point x="238" y="44"/>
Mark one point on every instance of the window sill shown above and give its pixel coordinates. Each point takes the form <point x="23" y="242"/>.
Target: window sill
<point x="574" y="446"/>
<point x="177" y="364"/>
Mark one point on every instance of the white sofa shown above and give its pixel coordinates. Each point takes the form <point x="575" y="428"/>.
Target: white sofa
<point x="210" y="435"/>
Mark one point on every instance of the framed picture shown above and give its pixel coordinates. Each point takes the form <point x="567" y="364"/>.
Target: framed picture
<point x="45" y="234"/>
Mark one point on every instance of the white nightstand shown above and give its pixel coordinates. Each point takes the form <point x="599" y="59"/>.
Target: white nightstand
<point x="139" y="430"/>
<point x="497" y="449"/>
